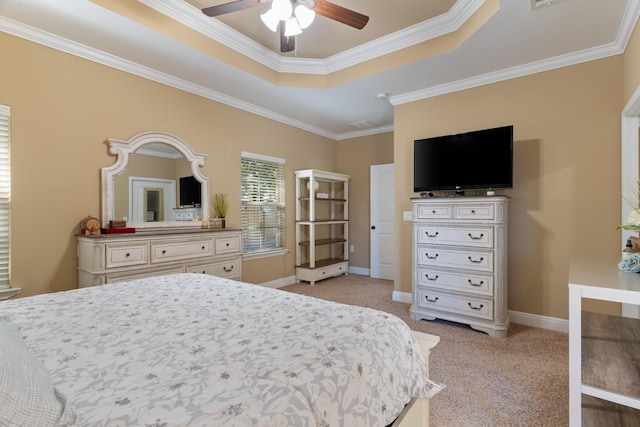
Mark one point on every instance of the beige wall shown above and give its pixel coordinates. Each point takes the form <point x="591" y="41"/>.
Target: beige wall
<point x="566" y="196"/>
<point x="632" y="65"/>
<point x="63" y="108"/>
<point x="354" y="158"/>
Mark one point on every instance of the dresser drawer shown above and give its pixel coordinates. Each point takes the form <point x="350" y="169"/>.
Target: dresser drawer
<point x="431" y="299"/>
<point x="480" y="237"/>
<point x="477" y="284"/>
<point x="228" y="269"/>
<point x="228" y="245"/>
<point x="432" y="211"/>
<point x="142" y="274"/>
<point x="475" y="211"/>
<point x="171" y="251"/>
<point x="121" y="255"/>
<point x="468" y="260"/>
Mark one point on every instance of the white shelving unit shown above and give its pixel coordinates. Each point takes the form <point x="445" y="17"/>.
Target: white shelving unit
<point x="322" y="225"/>
<point x="604" y="382"/>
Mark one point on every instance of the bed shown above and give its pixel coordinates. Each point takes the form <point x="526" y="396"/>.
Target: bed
<point x="198" y="350"/>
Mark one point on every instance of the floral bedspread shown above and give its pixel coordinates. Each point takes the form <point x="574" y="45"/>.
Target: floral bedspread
<point x="197" y="350"/>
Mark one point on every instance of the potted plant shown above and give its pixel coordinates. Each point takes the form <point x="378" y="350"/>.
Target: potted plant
<point x="221" y="206"/>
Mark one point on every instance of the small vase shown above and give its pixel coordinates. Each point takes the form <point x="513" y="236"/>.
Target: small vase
<point x="224" y="222"/>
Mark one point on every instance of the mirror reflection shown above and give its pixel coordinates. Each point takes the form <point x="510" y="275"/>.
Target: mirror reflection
<point x="155" y="182"/>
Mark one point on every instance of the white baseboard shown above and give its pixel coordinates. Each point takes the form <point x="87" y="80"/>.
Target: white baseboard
<point x="538" y="321"/>
<point x="402" y="297"/>
<point x="358" y="270"/>
<point x="527" y="319"/>
<point x="279" y="282"/>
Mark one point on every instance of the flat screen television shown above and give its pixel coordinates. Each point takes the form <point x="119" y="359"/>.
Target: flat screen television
<point x="190" y="191"/>
<point x="475" y="160"/>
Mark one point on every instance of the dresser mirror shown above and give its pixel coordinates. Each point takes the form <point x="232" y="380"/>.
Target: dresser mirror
<point x="155" y="183"/>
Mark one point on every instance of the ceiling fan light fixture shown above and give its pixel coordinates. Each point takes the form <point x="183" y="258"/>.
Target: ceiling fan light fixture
<point x="282" y="8"/>
<point x="291" y="27"/>
<point x="304" y="15"/>
<point x="270" y="19"/>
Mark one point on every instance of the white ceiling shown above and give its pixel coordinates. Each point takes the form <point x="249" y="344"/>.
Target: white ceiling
<point x="516" y="41"/>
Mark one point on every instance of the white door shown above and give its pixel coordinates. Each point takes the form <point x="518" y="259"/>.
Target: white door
<point x="382" y="256"/>
<point x="151" y="199"/>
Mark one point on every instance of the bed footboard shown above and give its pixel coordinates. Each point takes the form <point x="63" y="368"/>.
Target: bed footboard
<point x="416" y="413"/>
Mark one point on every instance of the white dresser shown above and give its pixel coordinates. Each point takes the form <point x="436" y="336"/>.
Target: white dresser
<point x="460" y="261"/>
<point x="111" y="258"/>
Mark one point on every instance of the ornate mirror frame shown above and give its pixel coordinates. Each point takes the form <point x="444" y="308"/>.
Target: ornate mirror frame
<point x="122" y="149"/>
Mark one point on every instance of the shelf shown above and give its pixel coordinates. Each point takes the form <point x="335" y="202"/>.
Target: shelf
<point x="323" y="222"/>
<point x="599" y="413"/>
<point x="319" y="242"/>
<point x="322" y="199"/>
<point x="610" y="351"/>
<point x="321" y="263"/>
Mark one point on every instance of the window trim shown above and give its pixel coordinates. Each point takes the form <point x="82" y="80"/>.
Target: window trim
<point x="271" y="252"/>
<point x="6" y="291"/>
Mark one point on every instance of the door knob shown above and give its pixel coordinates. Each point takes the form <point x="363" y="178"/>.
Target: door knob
<point x="373" y="227"/>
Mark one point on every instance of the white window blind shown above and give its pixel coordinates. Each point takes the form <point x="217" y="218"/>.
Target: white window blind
<point x="262" y="196"/>
<point x="5" y="187"/>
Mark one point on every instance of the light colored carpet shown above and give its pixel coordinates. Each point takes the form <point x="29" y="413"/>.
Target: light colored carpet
<point x="520" y="380"/>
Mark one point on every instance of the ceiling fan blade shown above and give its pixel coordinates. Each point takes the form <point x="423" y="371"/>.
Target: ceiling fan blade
<point x="341" y="14"/>
<point x="234" y="6"/>
<point x="287" y="43"/>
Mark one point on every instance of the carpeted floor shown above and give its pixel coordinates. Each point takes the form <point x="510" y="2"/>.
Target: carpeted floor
<point x="521" y="380"/>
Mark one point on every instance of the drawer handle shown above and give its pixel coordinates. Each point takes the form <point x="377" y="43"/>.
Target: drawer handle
<point x="433" y="256"/>
<point x="476" y="308"/>
<point x="433" y="279"/>
<point x="431" y="235"/>
<point x="127" y="255"/>
<point x="433" y="211"/>
<point x="476" y="284"/>
<point x="227" y="244"/>
<point x="227" y="270"/>
<point x="164" y="251"/>
<point x="476" y="238"/>
<point x="473" y="211"/>
<point x="476" y="261"/>
<point x="203" y="248"/>
<point x="430" y="300"/>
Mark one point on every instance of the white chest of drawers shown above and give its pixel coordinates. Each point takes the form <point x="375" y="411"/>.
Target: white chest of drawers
<point x="118" y="257"/>
<point x="460" y="261"/>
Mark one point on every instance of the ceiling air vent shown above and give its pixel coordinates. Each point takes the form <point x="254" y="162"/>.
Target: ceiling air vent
<point x="535" y="4"/>
<point x="362" y="124"/>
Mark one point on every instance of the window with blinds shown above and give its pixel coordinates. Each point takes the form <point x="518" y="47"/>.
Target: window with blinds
<point x="5" y="187"/>
<point x="262" y="196"/>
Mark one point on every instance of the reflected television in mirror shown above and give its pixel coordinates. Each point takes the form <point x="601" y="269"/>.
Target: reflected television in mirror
<point x="190" y="192"/>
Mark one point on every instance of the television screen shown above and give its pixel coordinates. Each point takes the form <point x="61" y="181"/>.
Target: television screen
<point x="474" y="160"/>
<point x="190" y="191"/>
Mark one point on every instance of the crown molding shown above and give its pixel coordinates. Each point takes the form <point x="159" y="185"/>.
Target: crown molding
<point x="617" y="47"/>
<point x="440" y="25"/>
<point x="64" y="45"/>
<point x="509" y="73"/>
<point x="364" y="132"/>
<point x="38" y="36"/>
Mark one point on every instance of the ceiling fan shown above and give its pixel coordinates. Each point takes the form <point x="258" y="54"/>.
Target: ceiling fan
<point x="287" y="41"/>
